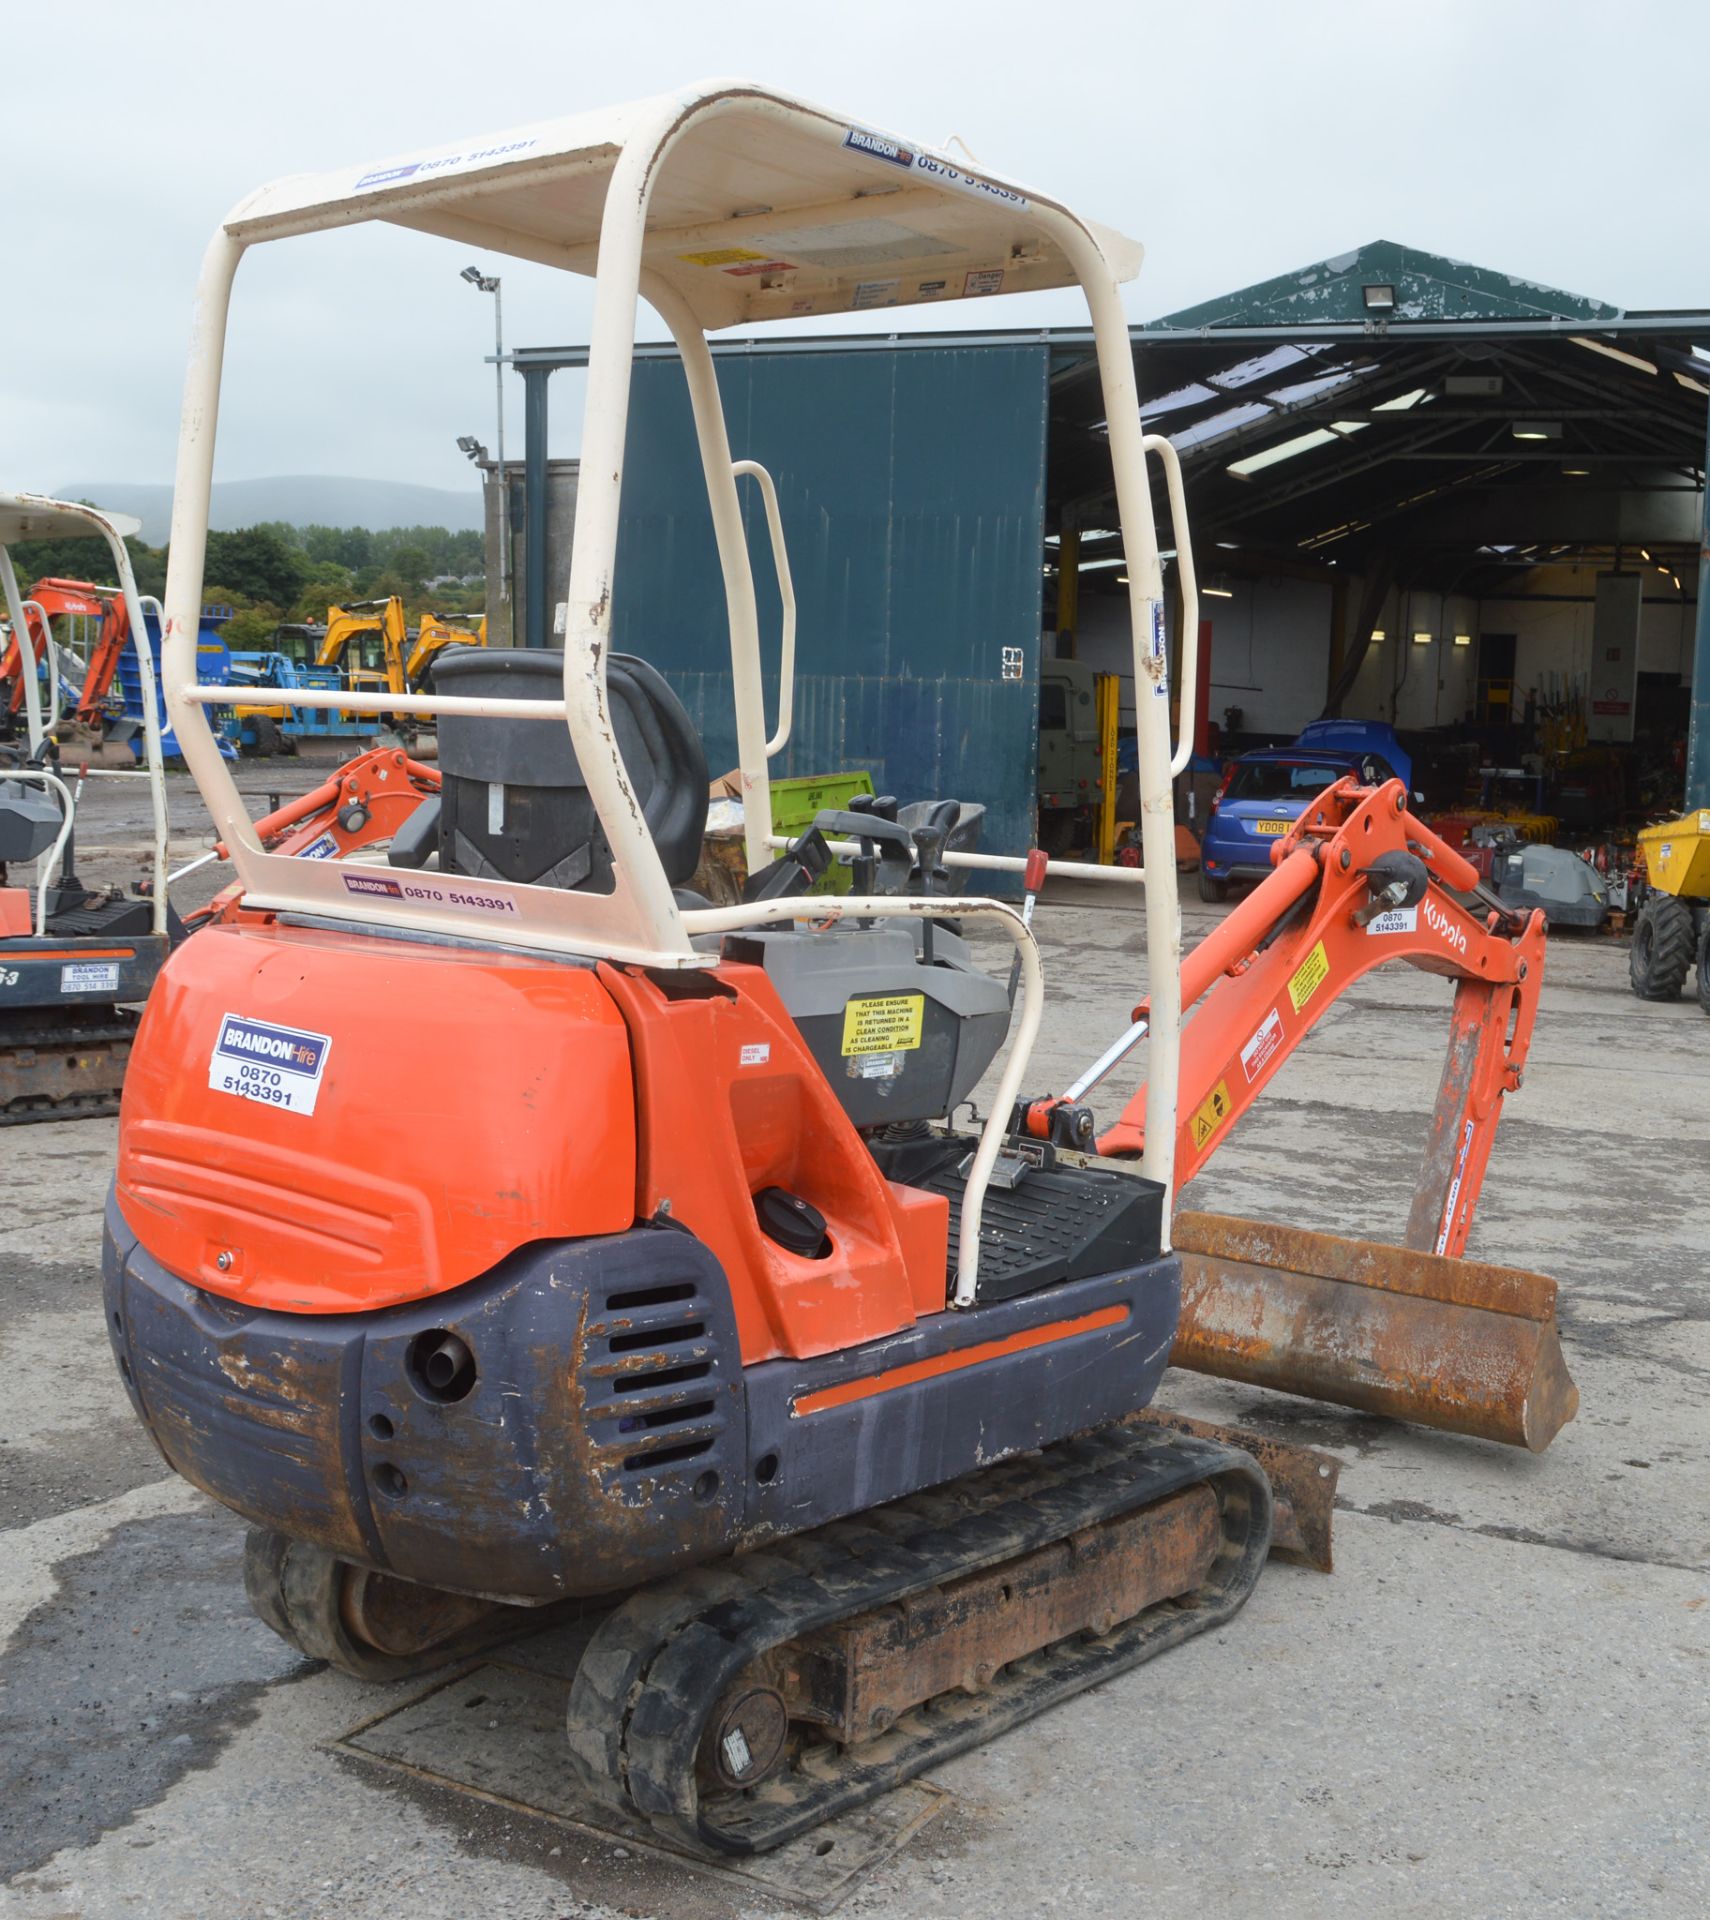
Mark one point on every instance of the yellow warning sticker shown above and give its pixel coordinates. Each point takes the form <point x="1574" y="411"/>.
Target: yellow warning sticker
<point x="723" y="257"/>
<point x="1212" y="1114"/>
<point x="887" y="1025"/>
<point x="1309" y="976"/>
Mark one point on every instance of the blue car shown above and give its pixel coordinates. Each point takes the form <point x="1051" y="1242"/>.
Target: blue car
<point x="1267" y="791"/>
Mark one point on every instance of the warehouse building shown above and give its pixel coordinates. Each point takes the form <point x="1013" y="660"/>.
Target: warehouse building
<point x="1421" y="492"/>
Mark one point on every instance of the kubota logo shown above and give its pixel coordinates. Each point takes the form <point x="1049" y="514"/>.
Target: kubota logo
<point x="1445" y="929"/>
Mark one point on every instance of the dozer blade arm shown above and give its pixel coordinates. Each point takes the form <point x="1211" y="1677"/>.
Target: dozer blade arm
<point x="1358" y="882"/>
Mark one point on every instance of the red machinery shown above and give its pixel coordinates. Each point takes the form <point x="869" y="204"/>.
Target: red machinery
<point x="55" y="597"/>
<point x="501" y="1223"/>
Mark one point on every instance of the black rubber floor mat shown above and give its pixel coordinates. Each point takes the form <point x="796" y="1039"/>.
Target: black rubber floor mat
<point x="1057" y="1223"/>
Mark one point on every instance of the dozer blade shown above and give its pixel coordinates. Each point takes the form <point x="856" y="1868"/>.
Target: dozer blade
<point x="1455" y="1344"/>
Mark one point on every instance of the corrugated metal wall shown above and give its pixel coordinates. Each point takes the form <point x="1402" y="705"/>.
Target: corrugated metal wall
<point x="912" y="486"/>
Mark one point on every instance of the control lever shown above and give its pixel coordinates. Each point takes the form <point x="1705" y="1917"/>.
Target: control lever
<point x="793" y="872"/>
<point x="884" y="805"/>
<point x="929" y="842"/>
<point x="881" y="840"/>
<point x="1032" y="883"/>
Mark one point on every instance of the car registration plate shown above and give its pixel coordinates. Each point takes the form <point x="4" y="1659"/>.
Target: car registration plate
<point x="1272" y="826"/>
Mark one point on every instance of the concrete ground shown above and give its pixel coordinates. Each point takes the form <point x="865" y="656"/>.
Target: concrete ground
<point x="1499" y="1704"/>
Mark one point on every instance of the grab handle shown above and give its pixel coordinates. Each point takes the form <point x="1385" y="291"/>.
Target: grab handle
<point x="1156" y="443"/>
<point x="786" y="594"/>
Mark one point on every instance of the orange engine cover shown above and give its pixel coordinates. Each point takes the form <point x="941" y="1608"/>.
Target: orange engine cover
<point x="322" y="1122"/>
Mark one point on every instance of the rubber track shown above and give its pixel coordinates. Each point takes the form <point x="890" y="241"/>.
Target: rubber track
<point x="51" y="1039"/>
<point x="294" y="1587"/>
<point x="659" y="1664"/>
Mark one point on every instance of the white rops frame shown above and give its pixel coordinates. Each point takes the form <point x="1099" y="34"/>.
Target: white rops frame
<point x="33" y="516"/>
<point x="720" y="204"/>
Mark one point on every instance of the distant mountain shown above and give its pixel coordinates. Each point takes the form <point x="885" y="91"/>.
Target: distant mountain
<point x="301" y="500"/>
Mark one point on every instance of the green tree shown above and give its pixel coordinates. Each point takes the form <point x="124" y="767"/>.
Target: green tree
<point x="257" y="565"/>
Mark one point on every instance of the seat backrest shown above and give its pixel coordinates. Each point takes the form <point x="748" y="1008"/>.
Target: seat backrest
<point x="29" y="820"/>
<point x="513" y="803"/>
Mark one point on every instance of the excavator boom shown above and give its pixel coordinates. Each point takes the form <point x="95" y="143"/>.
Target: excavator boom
<point x="1268" y="973"/>
<point x="1413" y="1331"/>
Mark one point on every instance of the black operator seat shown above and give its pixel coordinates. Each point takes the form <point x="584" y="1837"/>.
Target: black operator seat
<point x="29" y="820"/>
<point x="513" y="804"/>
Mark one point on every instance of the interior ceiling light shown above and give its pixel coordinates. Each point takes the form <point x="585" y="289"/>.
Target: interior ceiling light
<point x="1423" y="639"/>
<point x="1379" y="299"/>
<point x="1472" y="385"/>
<point x="1377" y="634"/>
<point x="1644" y="553"/>
<point x="1576" y="473"/>
<point x="1287" y="449"/>
<point x="1463" y="639"/>
<point x="1613" y="353"/>
<point x="1537" y="429"/>
<point x="1218" y="587"/>
<point x="1675" y="577"/>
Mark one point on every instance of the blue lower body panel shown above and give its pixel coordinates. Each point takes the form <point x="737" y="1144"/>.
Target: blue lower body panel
<point x="578" y="1421"/>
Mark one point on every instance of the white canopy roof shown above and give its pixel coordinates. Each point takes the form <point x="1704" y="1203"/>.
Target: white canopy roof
<point x="763" y="207"/>
<point x="33" y="516"/>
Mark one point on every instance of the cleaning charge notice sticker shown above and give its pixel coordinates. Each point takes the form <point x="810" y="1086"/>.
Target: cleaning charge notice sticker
<point x="889" y="1024"/>
<point x="277" y="1066"/>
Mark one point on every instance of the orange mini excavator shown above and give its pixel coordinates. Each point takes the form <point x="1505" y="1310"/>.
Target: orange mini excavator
<point x="710" y="1320"/>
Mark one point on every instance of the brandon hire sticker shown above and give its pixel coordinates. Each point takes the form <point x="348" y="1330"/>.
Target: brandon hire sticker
<point x="278" y="1066"/>
<point x="89" y="976"/>
<point x="1394" y="920"/>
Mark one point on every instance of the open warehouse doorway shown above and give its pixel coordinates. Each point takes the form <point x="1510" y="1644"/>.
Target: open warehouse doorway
<point x="1432" y="497"/>
<point x="1423" y="495"/>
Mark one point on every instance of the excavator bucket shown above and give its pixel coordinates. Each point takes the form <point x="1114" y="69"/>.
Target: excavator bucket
<point x="1454" y="1344"/>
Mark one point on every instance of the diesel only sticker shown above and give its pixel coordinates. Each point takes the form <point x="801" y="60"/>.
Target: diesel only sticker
<point x="887" y="1025"/>
<point x="278" y="1066"/>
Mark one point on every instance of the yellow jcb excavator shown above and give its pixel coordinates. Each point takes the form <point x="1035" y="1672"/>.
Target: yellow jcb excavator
<point x="389" y="656"/>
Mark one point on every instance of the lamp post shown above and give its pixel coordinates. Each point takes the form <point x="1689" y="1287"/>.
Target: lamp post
<point x="489" y="283"/>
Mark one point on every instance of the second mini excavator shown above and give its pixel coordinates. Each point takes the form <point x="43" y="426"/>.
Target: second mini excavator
<point x="828" y="1410"/>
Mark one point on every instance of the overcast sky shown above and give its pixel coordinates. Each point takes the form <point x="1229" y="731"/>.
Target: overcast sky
<point x="1553" y="139"/>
